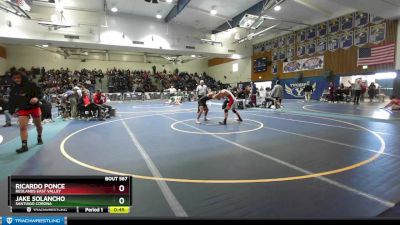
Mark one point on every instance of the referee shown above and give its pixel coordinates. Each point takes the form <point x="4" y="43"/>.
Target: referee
<point x="201" y="90"/>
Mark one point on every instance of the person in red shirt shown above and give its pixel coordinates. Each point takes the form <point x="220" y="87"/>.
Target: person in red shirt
<point x="86" y="105"/>
<point x="394" y="104"/>
<point x="100" y="100"/>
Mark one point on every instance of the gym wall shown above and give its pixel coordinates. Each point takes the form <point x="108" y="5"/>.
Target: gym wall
<point x="3" y="60"/>
<point x="226" y="69"/>
<point x="341" y="62"/>
<point x="26" y="56"/>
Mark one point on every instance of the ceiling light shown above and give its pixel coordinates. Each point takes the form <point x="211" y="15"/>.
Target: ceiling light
<point x="158" y="16"/>
<point x="54" y="18"/>
<point x="213" y="11"/>
<point x="235" y="56"/>
<point x="193" y="56"/>
<point x="45" y="46"/>
<point x="277" y="8"/>
<point x="114" y="9"/>
<point x="213" y="37"/>
<point x="169" y="1"/>
<point x="365" y="67"/>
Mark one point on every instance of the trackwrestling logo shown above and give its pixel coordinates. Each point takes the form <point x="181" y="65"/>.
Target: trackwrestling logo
<point x="34" y="220"/>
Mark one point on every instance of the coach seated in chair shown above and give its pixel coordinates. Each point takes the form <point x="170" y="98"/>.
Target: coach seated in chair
<point x="87" y="106"/>
<point x="100" y="100"/>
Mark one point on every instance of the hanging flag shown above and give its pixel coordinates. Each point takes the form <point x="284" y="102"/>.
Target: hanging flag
<point x="301" y="36"/>
<point x="377" y="33"/>
<point x="301" y="50"/>
<point x="311" y="33"/>
<point x="361" y="36"/>
<point x="291" y="39"/>
<point x="322" y="45"/>
<point x="333" y="43"/>
<point x="362" y="19"/>
<point x="311" y="48"/>
<point x="290" y="51"/>
<point x="376" y="19"/>
<point x="346" y="40"/>
<point x="322" y="29"/>
<point x="347" y="22"/>
<point x="334" y="26"/>
<point x="376" y="55"/>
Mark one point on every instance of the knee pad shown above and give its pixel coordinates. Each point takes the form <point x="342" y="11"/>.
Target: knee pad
<point x="226" y="111"/>
<point x="234" y="110"/>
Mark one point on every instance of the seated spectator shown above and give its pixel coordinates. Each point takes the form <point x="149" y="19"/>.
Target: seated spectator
<point x="85" y="104"/>
<point x="100" y="100"/>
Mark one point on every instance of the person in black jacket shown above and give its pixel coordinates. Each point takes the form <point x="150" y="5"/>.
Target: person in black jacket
<point x="24" y="102"/>
<point x="308" y="90"/>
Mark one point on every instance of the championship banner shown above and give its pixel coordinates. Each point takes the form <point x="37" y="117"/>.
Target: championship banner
<point x="295" y="89"/>
<point x="275" y="68"/>
<point x="334" y="26"/>
<point x="322" y="45"/>
<point x="275" y="55"/>
<point x="301" y="50"/>
<point x="333" y="43"/>
<point x="346" y="40"/>
<point x="361" y="36"/>
<point x="301" y="36"/>
<point x="376" y="19"/>
<point x="311" y="33"/>
<point x="377" y="33"/>
<point x="322" y="29"/>
<point x="293" y="66"/>
<point x="281" y="41"/>
<point x="291" y="50"/>
<point x="275" y="43"/>
<point x="282" y="54"/>
<point x="291" y="39"/>
<point x="347" y="22"/>
<point x="311" y="48"/>
<point x="268" y="46"/>
<point x="314" y="63"/>
<point x="362" y="19"/>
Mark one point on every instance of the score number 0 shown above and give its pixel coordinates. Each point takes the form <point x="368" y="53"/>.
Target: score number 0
<point x="121" y="200"/>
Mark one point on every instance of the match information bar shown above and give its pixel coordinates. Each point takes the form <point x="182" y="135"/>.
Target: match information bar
<point x="70" y="194"/>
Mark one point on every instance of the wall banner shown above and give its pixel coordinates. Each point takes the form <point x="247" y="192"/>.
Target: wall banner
<point x="293" y="89"/>
<point x="314" y="63"/>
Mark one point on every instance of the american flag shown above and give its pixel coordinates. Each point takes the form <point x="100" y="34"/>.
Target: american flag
<point x="377" y="55"/>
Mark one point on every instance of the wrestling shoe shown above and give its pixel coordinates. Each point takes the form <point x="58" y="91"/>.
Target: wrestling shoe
<point x="22" y="149"/>
<point x="205" y="119"/>
<point x="222" y="123"/>
<point x="39" y="141"/>
<point x="198" y="122"/>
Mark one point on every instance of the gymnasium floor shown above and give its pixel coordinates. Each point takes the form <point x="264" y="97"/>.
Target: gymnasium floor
<point x="310" y="160"/>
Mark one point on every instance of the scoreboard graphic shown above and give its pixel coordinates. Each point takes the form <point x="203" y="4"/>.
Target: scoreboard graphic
<point x="83" y="194"/>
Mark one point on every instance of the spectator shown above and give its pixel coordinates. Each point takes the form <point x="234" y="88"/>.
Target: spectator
<point x="5" y="108"/>
<point x="100" y="100"/>
<point x="277" y="94"/>
<point x="371" y="91"/>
